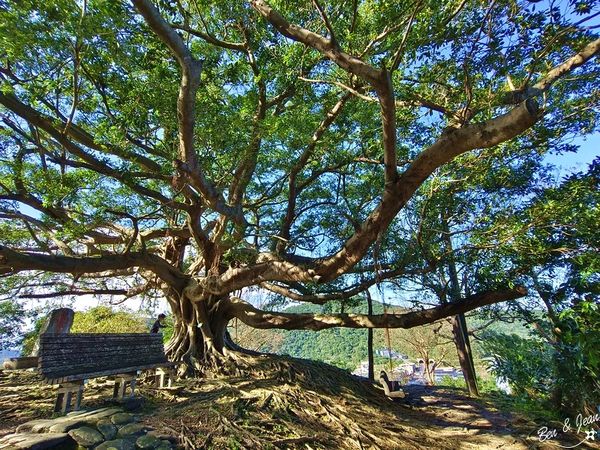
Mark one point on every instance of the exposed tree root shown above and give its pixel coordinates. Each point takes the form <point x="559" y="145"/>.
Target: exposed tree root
<point x="276" y="402"/>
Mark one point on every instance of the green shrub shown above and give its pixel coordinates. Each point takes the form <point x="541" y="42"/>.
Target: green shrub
<point x="102" y="319"/>
<point x="564" y="375"/>
<point x="526" y="363"/>
<point x="578" y="358"/>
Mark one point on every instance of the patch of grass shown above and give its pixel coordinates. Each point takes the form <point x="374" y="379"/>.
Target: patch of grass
<point x="453" y="382"/>
<point x="234" y="444"/>
<point x="535" y="409"/>
<point x="538" y="410"/>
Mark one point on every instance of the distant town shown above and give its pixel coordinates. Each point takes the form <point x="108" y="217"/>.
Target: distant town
<point x="409" y="372"/>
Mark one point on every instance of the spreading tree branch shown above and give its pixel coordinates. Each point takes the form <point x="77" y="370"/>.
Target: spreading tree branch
<point x="291" y="321"/>
<point x="45" y="123"/>
<point x="380" y="79"/>
<point x="191" y="69"/>
<point x="293" y="188"/>
<point x="13" y="262"/>
<point x="450" y="144"/>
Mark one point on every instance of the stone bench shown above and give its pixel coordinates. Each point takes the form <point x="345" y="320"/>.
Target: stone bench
<point x="71" y="359"/>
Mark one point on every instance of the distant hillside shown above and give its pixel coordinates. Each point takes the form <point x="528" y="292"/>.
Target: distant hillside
<point x="346" y="348"/>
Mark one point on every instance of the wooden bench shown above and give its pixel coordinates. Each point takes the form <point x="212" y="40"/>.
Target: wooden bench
<point x="391" y="388"/>
<point x="69" y="360"/>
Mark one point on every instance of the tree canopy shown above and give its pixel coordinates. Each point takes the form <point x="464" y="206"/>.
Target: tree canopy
<point x="199" y="150"/>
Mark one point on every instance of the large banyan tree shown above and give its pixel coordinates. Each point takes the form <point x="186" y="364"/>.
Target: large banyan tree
<point x="204" y="151"/>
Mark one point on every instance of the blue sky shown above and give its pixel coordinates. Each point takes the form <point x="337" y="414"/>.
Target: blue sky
<point x="589" y="149"/>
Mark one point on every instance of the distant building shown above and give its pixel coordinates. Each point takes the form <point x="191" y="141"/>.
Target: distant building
<point x="362" y="370"/>
<point x="410" y="373"/>
<point x="387" y="353"/>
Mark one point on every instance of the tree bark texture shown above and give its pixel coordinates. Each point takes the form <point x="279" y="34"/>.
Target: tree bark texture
<point x="463" y="349"/>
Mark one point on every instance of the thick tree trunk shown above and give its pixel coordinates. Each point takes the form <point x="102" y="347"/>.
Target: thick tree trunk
<point x="199" y="334"/>
<point x="465" y="357"/>
<point x="554" y="338"/>
<point x="428" y="371"/>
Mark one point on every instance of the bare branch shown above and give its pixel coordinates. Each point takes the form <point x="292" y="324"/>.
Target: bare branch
<point x="330" y="117"/>
<point x="249" y="158"/>
<point x="326" y="22"/>
<point x="349" y="292"/>
<point x="398" y="55"/>
<point x="210" y="38"/>
<point x="350" y="89"/>
<point x="34" y="117"/>
<point x="416" y="99"/>
<point x="76" y="292"/>
<point x="379" y="79"/>
<point x="165" y="32"/>
<point x="324" y="45"/>
<point x="589" y="51"/>
<point x="191" y="69"/>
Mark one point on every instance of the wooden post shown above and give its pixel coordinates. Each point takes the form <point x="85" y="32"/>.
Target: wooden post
<point x="163" y="377"/>
<point x="64" y="397"/>
<point x="79" y="397"/>
<point x="132" y="387"/>
<point x="121" y="390"/>
<point x="60" y="397"/>
<point x="122" y="381"/>
<point x="67" y="404"/>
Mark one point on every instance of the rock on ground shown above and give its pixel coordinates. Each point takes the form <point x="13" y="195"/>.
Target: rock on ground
<point x="33" y="441"/>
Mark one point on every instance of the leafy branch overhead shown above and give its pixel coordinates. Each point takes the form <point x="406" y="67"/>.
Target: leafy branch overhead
<point x="197" y="150"/>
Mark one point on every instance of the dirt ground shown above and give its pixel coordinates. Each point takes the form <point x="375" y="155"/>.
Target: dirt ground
<point x="287" y="403"/>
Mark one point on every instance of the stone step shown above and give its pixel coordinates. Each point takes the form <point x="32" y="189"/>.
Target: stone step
<point x="100" y="429"/>
<point x="33" y="441"/>
<point x="68" y="422"/>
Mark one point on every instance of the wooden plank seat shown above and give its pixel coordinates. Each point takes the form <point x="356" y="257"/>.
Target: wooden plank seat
<point x="72" y="358"/>
<point x="391" y="388"/>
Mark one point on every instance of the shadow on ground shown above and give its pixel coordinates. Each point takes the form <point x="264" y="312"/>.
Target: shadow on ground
<point x="280" y="402"/>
